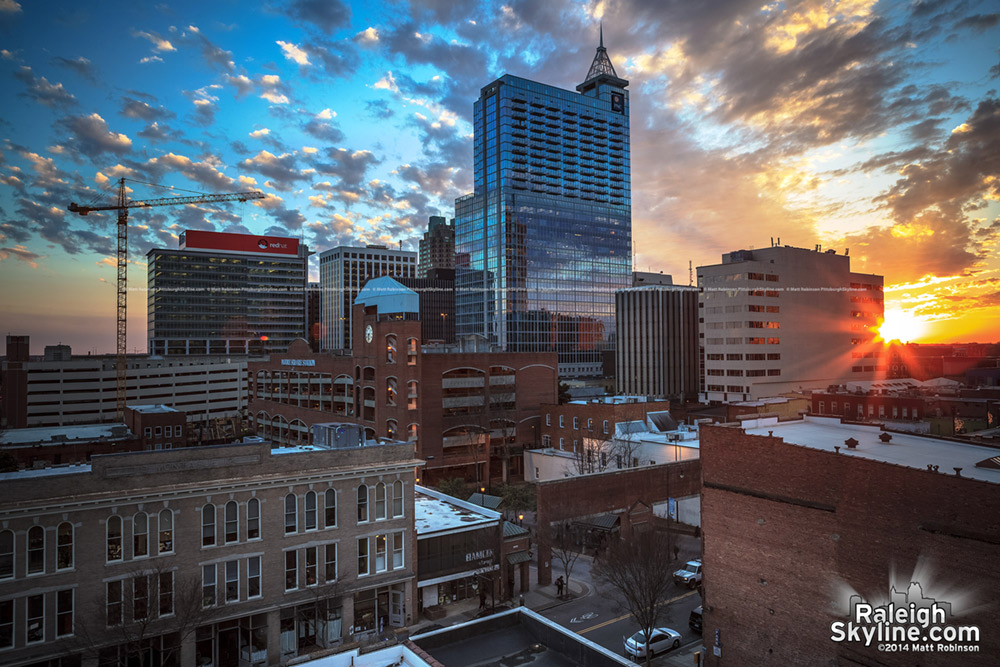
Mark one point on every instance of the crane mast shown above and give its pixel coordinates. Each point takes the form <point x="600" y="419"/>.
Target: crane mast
<point x="122" y="206"/>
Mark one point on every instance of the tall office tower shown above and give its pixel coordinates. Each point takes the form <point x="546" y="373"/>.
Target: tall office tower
<point x="656" y="350"/>
<point x="782" y="318"/>
<point x="312" y="316"/>
<point x="544" y="241"/>
<point x="437" y="247"/>
<point x="226" y="294"/>
<point x="343" y="271"/>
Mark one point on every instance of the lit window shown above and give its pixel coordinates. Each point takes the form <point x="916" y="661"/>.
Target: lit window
<point x="140" y="535"/>
<point x="36" y="550"/>
<point x="166" y="531"/>
<point x="64" y="546"/>
<point x="232" y="527"/>
<point x="253" y="519"/>
<point x="391" y="388"/>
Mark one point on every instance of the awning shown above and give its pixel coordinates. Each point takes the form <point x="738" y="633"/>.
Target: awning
<point x="518" y="557"/>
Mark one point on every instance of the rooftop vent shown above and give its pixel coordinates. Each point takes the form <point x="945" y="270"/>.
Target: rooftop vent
<point x="851" y="443"/>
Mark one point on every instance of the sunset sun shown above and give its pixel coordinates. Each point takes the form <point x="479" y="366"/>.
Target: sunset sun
<point x="902" y="326"/>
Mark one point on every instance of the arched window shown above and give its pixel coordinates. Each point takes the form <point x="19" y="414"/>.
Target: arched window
<point x="253" y="519"/>
<point x="397" y="499"/>
<point x="362" y="503"/>
<point x="231" y="533"/>
<point x="411" y="351"/>
<point x="330" y="508"/>
<point x="411" y="395"/>
<point x="391" y="428"/>
<point x="391" y="389"/>
<point x="411" y="433"/>
<point x="379" y="501"/>
<point x="64" y="546"/>
<point x="36" y="550"/>
<point x="114" y="538"/>
<point x="166" y="531"/>
<point x="140" y="535"/>
<point x="311" y="520"/>
<point x="6" y="554"/>
<point x="208" y="525"/>
<point x="390" y="349"/>
<point x="291" y="514"/>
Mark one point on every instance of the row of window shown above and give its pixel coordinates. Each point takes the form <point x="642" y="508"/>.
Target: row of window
<point x="168" y="431"/>
<point x="906" y="413"/>
<point x="35" y="607"/>
<point x="35" y="550"/>
<point x="576" y="423"/>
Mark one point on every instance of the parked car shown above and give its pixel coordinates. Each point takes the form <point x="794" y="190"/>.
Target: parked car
<point x="689" y="575"/>
<point x="694" y="621"/>
<point x="662" y="639"/>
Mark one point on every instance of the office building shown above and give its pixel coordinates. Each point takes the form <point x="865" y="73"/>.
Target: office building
<point x="437" y="304"/>
<point x="657" y="341"/>
<point x="544" y="240"/>
<point x="437" y="247"/>
<point x="226" y="294"/>
<point x="803" y="520"/>
<point x="314" y="327"/>
<point x="343" y="271"/>
<point x="780" y="318"/>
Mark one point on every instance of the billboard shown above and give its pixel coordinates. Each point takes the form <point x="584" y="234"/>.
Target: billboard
<point x="276" y="245"/>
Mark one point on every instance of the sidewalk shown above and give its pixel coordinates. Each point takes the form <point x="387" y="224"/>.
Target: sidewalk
<point x="683" y="657"/>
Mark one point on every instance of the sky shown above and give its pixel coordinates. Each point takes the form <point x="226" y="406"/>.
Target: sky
<point x="868" y="126"/>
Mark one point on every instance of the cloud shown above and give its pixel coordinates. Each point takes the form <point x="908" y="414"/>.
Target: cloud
<point x="351" y="167"/>
<point x="204" y="172"/>
<point x="338" y="60"/>
<point x="150" y="59"/>
<point x="92" y="137"/>
<point x="327" y="15"/>
<point x="294" y="53"/>
<point x="242" y="83"/>
<point x="273" y="89"/>
<point x="51" y="224"/>
<point x="83" y="67"/>
<point x="979" y="22"/>
<point x="367" y="37"/>
<point x="43" y="92"/>
<point x="159" y="43"/>
<point x="282" y="169"/>
<point x="132" y="108"/>
<point x="211" y="53"/>
<point x="10" y="7"/>
<point x="204" y="101"/>
<point x="158" y="133"/>
<point x="22" y="253"/>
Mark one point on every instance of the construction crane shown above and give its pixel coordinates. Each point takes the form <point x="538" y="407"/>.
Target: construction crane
<point x="122" y="206"/>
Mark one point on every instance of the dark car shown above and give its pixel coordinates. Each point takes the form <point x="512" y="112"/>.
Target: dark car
<point x="694" y="621"/>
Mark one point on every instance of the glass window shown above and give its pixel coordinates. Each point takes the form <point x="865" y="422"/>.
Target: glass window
<point x="6" y="623"/>
<point x="113" y="602"/>
<point x="362" y="556"/>
<point x="291" y="570"/>
<point x="362" y="503"/>
<point x="390" y="349"/>
<point x="232" y="527"/>
<point x="140" y="598"/>
<point x="36" y="550"/>
<point x="330" y="571"/>
<point x="6" y="554"/>
<point x="165" y="592"/>
<point x="379" y="501"/>
<point x="311" y="566"/>
<point x="380" y="547"/>
<point x="166" y="531"/>
<point x="253" y="519"/>
<point x="232" y="581"/>
<point x="64" y="612"/>
<point x="330" y="508"/>
<point x="397" y="499"/>
<point x="291" y="514"/>
<point x="397" y="550"/>
<point x="64" y="546"/>
<point x="208" y="586"/>
<point x="391" y="389"/>
<point x="208" y="525"/>
<point x="253" y="577"/>
<point x="140" y="535"/>
<point x="35" y="619"/>
<point x="311" y="519"/>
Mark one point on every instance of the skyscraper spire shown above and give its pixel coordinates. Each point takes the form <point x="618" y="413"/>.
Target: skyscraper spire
<point x="602" y="63"/>
<point x="602" y="34"/>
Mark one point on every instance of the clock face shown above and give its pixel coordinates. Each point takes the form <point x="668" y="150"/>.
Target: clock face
<point x="369" y="333"/>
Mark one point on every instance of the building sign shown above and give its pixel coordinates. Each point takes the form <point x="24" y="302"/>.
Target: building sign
<point x="478" y="555"/>
<point x="618" y="102"/>
<point x="298" y="362"/>
<point x="273" y="245"/>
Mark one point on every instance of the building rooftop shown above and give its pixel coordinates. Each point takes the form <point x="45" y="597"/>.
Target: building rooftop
<point x="61" y="435"/>
<point x="617" y="399"/>
<point x="435" y="512"/>
<point x="912" y="451"/>
<point x="152" y="409"/>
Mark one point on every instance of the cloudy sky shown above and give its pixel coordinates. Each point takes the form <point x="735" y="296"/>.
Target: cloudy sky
<point x="873" y="126"/>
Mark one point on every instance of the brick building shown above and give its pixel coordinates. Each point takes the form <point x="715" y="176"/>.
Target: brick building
<point x="568" y="425"/>
<point x="230" y="555"/>
<point x="462" y="405"/>
<point x="801" y="518"/>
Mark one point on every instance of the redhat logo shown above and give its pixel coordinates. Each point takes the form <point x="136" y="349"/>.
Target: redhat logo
<point x="262" y="244"/>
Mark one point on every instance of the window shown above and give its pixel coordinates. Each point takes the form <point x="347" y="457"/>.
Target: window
<point x="330" y="508"/>
<point x="562" y="421"/>
<point x="380" y="547"/>
<point x="165" y="593"/>
<point x="397" y="499"/>
<point x="232" y="581"/>
<point x="390" y="349"/>
<point x="253" y="577"/>
<point x="606" y="427"/>
<point x="379" y="501"/>
<point x="562" y="443"/>
<point x="548" y="419"/>
<point x="546" y="441"/>
<point x="253" y="519"/>
<point x="147" y="432"/>
<point x="208" y="586"/>
<point x="6" y="624"/>
<point x="576" y="423"/>
<point x="330" y="571"/>
<point x="311" y="520"/>
<point x="411" y="433"/>
<point x="140" y="535"/>
<point x="140" y="597"/>
<point x="35" y="619"/>
<point x="113" y="602"/>
<point x="64" y="546"/>
<point x="36" y="550"/>
<point x="311" y="566"/>
<point x="291" y="570"/>
<point x="362" y="503"/>
<point x="158" y="431"/>
<point x="397" y="550"/>
<point x="208" y="525"/>
<point x="6" y="554"/>
<point x="590" y="424"/>
<point x="64" y="613"/>
<point x="391" y="389"/>
<point x="291" y="514"/>
<point x="232" y="526"/>
<point x="166" y="531"/>
<point x="362" y="556"/>
<point x="391" y="429"/>
<point x="411" y="395"/>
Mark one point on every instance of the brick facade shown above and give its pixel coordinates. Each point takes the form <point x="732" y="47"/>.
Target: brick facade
<point x="569" y="422"/>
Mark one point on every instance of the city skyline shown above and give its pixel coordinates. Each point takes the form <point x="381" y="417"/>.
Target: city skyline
<point x="869" y="126"/>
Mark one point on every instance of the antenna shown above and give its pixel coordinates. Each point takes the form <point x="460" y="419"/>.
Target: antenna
<point x="690" y="274"/>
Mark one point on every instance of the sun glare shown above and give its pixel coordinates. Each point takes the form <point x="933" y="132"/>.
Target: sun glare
<point x="902" y="326"/>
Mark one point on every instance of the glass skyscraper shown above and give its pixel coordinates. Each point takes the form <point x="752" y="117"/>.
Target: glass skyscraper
<point x="545" y="239"/>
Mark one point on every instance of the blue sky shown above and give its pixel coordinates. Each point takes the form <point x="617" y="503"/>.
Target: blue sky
<point x="872" y="126"/>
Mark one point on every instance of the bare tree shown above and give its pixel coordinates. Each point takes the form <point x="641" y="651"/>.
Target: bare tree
<point x="626" y="442"/>
<point x="639" y="570"/>
<point x="565" y="548"/>
<point x="593" y="456"/>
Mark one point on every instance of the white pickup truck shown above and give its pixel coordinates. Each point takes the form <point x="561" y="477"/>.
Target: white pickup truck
<point x="689" y="575"/>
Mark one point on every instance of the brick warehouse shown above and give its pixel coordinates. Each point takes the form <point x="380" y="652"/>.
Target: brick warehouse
<point x="790" y="531"/>
<point x="453" y="401"/>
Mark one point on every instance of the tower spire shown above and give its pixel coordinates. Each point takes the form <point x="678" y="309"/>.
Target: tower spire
<point x="602" y="63"/>
<point x="602" y="34"/>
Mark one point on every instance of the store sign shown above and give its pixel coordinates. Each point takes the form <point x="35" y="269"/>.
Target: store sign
<point x="478" y="555"/>
<point x="298" y="362"/>
<point x="617" y="102"/>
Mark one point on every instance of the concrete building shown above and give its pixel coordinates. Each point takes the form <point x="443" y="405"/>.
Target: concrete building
<point x="545" y="239"/>
<point x="779" y="319"/>
<point x="644" y="278"/>
<point x="343" y="271"/>
<point x="230" y="555"/>
<point x="437" y="247"/>
<point x="802" y="521"/>
<point x="469" y="408"/>
<point x="226" y="294"/>
<point x="83" y="389"/>
<point x="657" y="351"/>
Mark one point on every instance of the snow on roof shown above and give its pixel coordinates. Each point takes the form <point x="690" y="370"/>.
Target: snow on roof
<point x="152" y="409"/>
<point x="904" y="449"/>
<point x="436" y="512"/>
<point x="46" y="472"/>
<point x="57" y="435"/>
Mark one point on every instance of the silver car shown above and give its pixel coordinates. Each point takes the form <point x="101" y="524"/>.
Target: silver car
<point x="662" y="639"/>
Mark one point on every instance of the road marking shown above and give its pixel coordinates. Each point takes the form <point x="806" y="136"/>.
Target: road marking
<point x="623" y="617"/>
